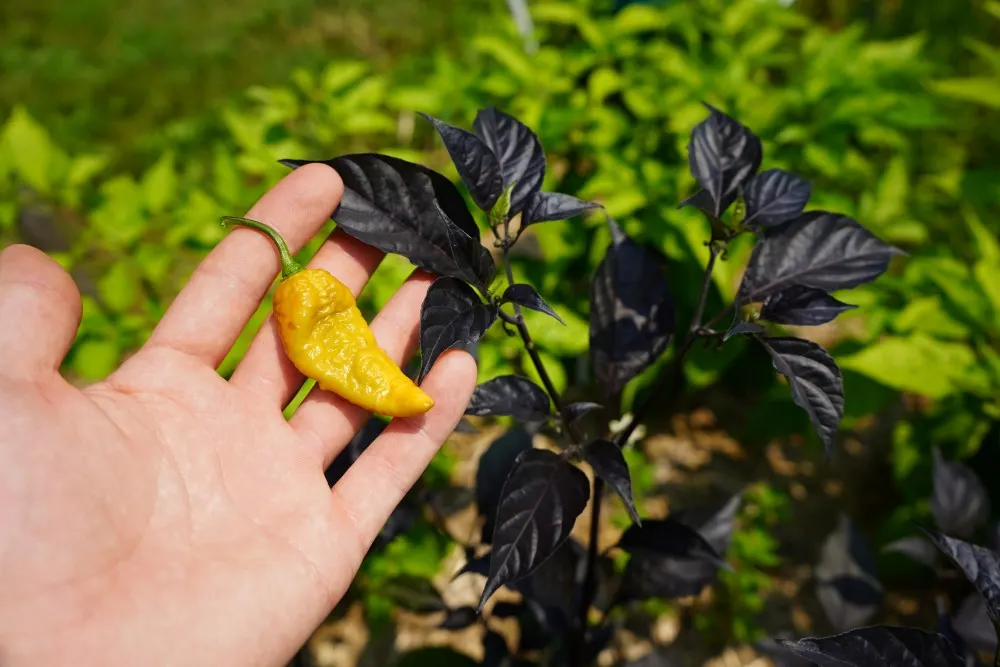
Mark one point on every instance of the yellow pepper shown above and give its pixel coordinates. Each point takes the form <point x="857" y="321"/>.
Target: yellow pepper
<point x="327" y="339"/>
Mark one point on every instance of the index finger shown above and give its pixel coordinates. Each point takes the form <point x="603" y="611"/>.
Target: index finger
<point x="224" y="291"/>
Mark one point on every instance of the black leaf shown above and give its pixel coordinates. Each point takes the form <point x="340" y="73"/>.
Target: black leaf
<point x="476" y="163"/>
<point x="816" y="382"/>
<point x="495" y="650"/>
<point x="718" y="528"/>
<point x="555" y="584"/>
<point x="802" y="306"/>
<point x="358" y="444"/>
<point x="980" y="565"/>
<point x="972" y="623"/>
<point x="723" y="154"/>
<point x="475" y="565"/>
<point x="451" y="316"/>
<point x="517" y="149"/>
<point x="818" y="249"/>
<point x="916" y="548"/>
<point x="606" y="458"/>
<point x="494" y="466"/>
<point x="700" y="200"/>
<point x="512" y="396"/>
<point x="856" y="590"/>
<point x="669" y="537"/>
<point x="449" y="500"/>
<point x="439" y="656"/>
<point x="651" y="575"/>
<point x="879" y="646"/>
<point x="525" y="295"/>
<point x="847" y="586"/>
<point x="504" y="609"/>
<point x="465" y="426"/>
<point x="631" y="312"/>
<point x="781" y="657"/>
<point x="459" y="618"/>
<point x="407" y="209"/>
<point x="743" y="329"/>
<point x="774" y="196"/>
<point x="575" y="411"/>
<point x="547" y="206"/>
<point x="960" y="503"/>
<point x="597" y="639"/>
<point x="539" y="503"/>
<point x="413" y="594"/>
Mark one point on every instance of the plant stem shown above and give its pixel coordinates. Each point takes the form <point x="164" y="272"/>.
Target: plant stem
<point x="288" y="265"/>
<point x="699" y="311"/>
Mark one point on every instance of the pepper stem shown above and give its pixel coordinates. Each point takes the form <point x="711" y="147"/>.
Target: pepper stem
<point x="288" y="265"/>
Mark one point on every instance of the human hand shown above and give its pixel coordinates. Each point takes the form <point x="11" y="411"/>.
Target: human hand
<point x="165" y="516"/>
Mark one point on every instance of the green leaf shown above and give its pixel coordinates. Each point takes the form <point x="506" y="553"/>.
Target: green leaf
<point x="636" y="18"/>
<point x="979" y="90"/>
<point x="566" y="341"/>
<point x="890" y="196"/>
<point x="121" y="217"/>
<point x="339" y="75"/>
<point x="85" y="167"/>
<point x="159" y="184"/>
<point x="917" y="364"/>
<point x="927" y="315"/>
<point x="30" y="149"/>
<point x="119" y="287"/>
<point x="94" y="360"/>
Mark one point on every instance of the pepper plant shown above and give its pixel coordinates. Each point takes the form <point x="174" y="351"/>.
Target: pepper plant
<point x="530" y="498"/>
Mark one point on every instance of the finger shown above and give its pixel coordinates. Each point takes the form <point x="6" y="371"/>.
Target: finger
<point x="39" y="312"/>
<point x="369" y="491"/>
<point x="226" y="288"/>
<point x="266" y="369"/>
<point x="329" y="421"/>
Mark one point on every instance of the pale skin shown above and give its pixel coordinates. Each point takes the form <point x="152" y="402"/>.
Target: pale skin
<point x="165" y="516"/>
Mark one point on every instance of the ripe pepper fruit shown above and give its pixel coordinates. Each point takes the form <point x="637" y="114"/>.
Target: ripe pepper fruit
<point x="327" y="339"/>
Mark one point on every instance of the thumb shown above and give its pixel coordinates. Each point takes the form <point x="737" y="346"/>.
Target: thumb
<point x="39" y="312"/>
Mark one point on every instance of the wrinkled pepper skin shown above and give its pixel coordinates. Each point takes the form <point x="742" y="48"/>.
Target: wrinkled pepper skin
<point x="327" y="339"/>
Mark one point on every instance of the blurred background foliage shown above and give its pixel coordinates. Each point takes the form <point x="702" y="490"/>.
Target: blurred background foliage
<point x="127" y="129"/>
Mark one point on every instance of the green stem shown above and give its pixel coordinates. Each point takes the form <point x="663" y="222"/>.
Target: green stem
<point x="288" y="265"/>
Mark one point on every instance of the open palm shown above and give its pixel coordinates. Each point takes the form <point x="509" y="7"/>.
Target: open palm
<point x="166" y="516"/>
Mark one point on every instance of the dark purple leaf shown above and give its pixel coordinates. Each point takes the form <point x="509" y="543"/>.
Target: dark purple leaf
<point x="504" y="609"/>
<point x="718" y="528"/>
<point x="916" y="548"/>
<point x="475" y="565"/>
<point x="879" y="646"/>
<point x="358" y="444"/>
<point x="407" y="209"/>
<point x="451" y="316"/>
<point x="475" y="162"/>
<point x="539" y="503"/>
<point x="960" y="503"/>
<point x="526" y="296"/>
<point x="495" y="650"/>
<point x="802" y="306"/>
<point x="700" y="200"/>
<point x="972" y="623"/>
<point x="631" y="312"/>
<point x="847" y="586"/>
<point x="669" y="537"/>
<point x="555" y="584"/>
<point x="722" y="154"/>
<point x="608" y="462"/>
<point x="459" y="618"/>
<point x="818" y="249"/>
<point x="517" y="149"/>
<point x="575" y="411"/>
<point x="547" y="206"/>
<point x="816" y="382"/>
<point x="781" y="657"/>
<point x="414" y="594"/>
<point x="743" y="329"/>
<point x="980" y="565"/>
<point x="512" y="396"/>
<point x="494" y="466"/>
<point x="774" y="196"/>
